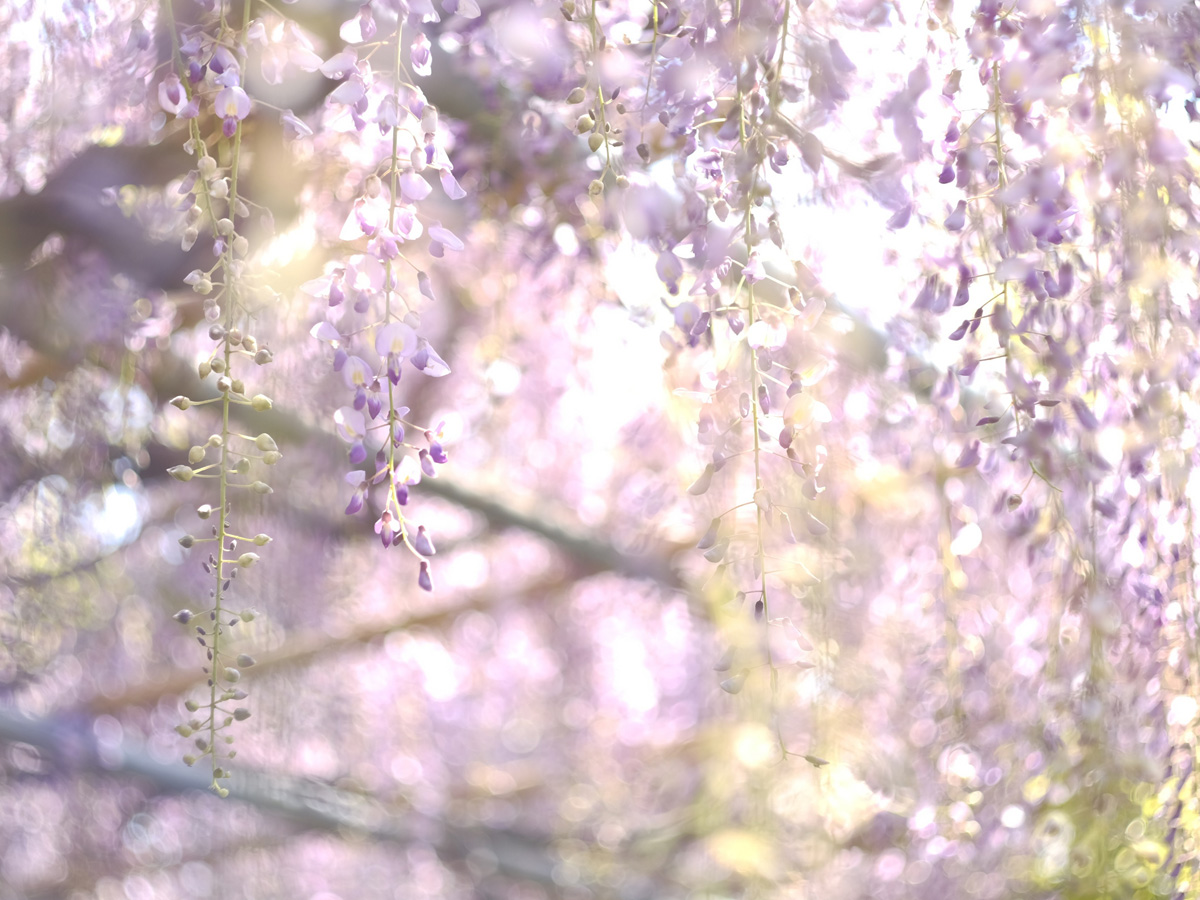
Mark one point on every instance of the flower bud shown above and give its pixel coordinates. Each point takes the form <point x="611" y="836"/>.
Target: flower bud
<point x="595" y="141"/>
<point x="245" y="660"/>
<point x="189" y="760"/>
<point x="225" y="226"/>
<point x="261" y="403"/>
<point x="215" y="440"/>
<point x="241" y="246"/>
<point x="190" y="235"/>
<point x="218" y="365"/>
<point x="184" y="616"/>
<point x="265" y="442"/>
<point x="248" y="614"/>
<point x="249" y="343"/>
<point x="271" y="457"/>
<point x="181" y="402"/>
<point x="204" y="511"/>
<point x="261" y="487"/>
<point x="241" y="467"/>
<point x="207" y="166"/>
<point x="568" y="9"/>
<point x="216" y="332"/>
<point x="187" y="541"/>
<point x="241" y="714"/>
<point x="232" y="675"/>
<point x="219" y="189"/>
<point x="196" y="455"/>
<point x="596" y="187"/>
<point x="235" y="336"/>
<point x="262" y="540"/>
<point x="237" y="387"/>
<point x="181" y="473"/>
<point x="204" y="370"/>
<point x="584" y="124"/>
<point x="622" y="181"/>
<point x="262" y="357"/>
<point x="183" y="731"/>
<point x="373" y="187"/>
<point x="576" y="95"/>
<point x="191" y="705"/>
<point x="224" y="384"/>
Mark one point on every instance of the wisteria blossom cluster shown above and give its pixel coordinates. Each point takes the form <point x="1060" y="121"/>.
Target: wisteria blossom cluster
<point x="890" y="591"/>
<point x="211" y="58"/>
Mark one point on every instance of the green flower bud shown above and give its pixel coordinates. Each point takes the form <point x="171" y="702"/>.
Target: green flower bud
<point x="191" y="705"/>
<point x="187" y="541"/>
<point x="262" y="540"/>
<point x="203" y="287"/>
<point x="248" y="614"/>
<point x="181" y="402"/>
<point x="261" y="487"/>
<point x="568" y="9"/>
<point x="250" y="343"/>
<point x="235" y="336"/>
<point x="222" y="792"/>
<point x="596" y="187"/>
<point x="181" y="473"/>
<point x="265" y="442"/>
<point x="189" y="760"/>
<point x="271" y="457"/>
<point x="622" y="181"/>
<point x="584" y="124"/>
<point x="196" y="455"/>
<point x="241" y="467"/>
<point x="237" y="386"/>
<point x="595" y="142"/>
<point x="232" y="675"/>
<point x="183" y="731"/>
<point x="246" y="560"/>
<point x="218" y="364"/>
<point x="202" y="744"/>
<point x="576" y="95"/>
<point x="205" y="369"/>
<point x="261" y="403"/>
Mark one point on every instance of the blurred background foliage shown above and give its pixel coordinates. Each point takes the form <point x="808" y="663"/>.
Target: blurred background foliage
<point x="969" y="699"/>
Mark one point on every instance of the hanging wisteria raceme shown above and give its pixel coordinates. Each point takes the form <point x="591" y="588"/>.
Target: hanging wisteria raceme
<point x="210" y="56"/>
<point x="373" y="306"/>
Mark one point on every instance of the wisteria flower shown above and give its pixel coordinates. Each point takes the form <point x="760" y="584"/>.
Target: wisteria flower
<point x="421" y="56"/>
<point x="232" y="104"/>
<point x="171" y="95"/>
